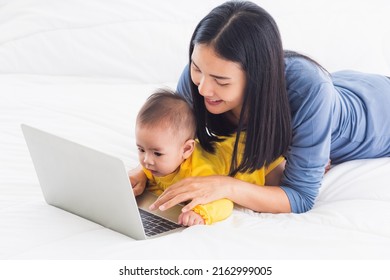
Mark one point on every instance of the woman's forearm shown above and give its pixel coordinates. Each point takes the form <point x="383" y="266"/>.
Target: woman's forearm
<point x="202" y="190"/>
<point x="267" y="199"/>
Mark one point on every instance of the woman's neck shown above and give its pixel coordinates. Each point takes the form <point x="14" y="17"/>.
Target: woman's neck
<point x="232" y="117"/>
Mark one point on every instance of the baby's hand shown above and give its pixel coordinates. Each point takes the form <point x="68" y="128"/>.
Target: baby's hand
<point x="138" y="180"/>
<point x="190" y="218"/>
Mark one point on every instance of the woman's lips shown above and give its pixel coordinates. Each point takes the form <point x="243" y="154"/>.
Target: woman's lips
<point x="213" y="102"/>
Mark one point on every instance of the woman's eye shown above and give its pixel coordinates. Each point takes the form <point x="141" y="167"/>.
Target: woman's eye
<point x="194" y="68"/>
<point x="221" y="84"/>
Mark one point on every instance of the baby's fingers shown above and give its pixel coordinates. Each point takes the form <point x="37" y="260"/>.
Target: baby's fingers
<point x="138" y="189"/>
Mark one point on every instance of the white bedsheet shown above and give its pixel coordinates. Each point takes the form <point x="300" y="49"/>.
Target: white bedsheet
<point x="81" y="69"/>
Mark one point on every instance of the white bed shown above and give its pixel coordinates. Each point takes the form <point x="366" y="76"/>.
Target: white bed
<point x="81" y="69"/>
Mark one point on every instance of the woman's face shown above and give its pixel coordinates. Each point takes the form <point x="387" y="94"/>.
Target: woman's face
<point x="221" y="82"/>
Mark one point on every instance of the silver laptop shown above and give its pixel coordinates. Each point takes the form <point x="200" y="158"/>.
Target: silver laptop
<point x="95" y="186"/>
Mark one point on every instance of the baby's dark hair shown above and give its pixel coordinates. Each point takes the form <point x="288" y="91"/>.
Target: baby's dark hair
<point x="167" y="109"/>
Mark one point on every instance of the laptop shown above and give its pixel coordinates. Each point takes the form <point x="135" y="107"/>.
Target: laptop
<point x="95" y="186"/>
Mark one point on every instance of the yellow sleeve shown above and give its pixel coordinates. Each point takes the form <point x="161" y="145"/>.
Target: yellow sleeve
<point x="273" y="165"/>
<point x="214" y="211"/>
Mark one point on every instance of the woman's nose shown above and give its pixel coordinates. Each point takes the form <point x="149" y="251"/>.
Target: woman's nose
<point x="205" y="88"/>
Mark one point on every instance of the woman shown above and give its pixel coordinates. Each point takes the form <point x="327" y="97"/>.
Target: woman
<point x="240" y="79"/>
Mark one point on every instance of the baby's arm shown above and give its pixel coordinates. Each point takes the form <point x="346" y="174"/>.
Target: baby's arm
<point x="190" y="218"/>
<point x="215" y="211"/>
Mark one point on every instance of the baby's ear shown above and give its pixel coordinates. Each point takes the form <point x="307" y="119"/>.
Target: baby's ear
<point x="188" y="148"/>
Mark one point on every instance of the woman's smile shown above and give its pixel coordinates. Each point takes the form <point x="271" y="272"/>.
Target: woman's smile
<point x="213" y="102"/>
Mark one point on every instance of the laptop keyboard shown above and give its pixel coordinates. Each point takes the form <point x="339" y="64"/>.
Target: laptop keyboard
<point x="154" y="224"/>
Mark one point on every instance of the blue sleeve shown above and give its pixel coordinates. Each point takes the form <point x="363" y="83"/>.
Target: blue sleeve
<point x="184" y="85"/>
<point x="311" y="95"/>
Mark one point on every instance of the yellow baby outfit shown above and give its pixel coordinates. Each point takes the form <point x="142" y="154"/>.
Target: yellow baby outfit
<point x="202" y="163"/>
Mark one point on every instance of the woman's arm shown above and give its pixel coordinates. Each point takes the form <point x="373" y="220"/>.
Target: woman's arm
<point x="202" y="190"/>
<point x="312" y="98"/>
<point x="267" y="199"/>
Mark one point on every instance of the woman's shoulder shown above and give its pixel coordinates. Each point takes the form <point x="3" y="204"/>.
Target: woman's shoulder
<point x="304" y="76"/>
<point x="300" y="68"/>
<point x="309" y="86"/>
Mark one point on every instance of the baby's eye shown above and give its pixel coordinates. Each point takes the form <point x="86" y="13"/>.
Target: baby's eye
<point x="141" y="150"/>
<point x="158" y="154"/>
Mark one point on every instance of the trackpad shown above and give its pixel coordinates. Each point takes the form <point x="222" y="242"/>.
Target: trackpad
<point x="147" y="198"/>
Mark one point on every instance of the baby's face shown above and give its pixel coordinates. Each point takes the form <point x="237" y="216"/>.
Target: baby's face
<point x="159" y="150"/>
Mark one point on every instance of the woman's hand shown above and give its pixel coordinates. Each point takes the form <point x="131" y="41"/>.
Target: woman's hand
<point x="197" y="190"/>
<point x="138" y="180"/>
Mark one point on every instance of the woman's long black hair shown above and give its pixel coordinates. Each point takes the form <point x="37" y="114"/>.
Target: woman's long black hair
<point x="245" y="33"/>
